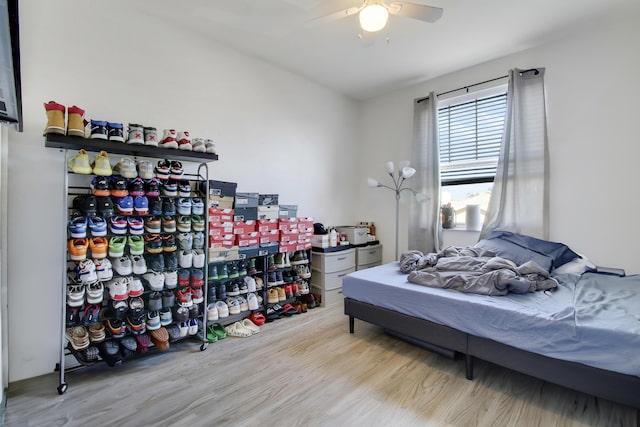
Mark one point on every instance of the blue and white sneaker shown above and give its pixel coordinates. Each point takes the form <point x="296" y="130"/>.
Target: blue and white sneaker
<point x="78" y="227"/>
<point x="136" y="225"/>
<point x="99" y="129"/>
<point x="124" y="205"/>
<point x="141" y="205"/>
<point x="184" y="206"/>
<point x="118" y="225"/>
<point x="184" y="188"/>
<point x="198" y="240"/>
<point x="169" y="189"/>
<point x="98" y="226"/>
<point x="197" y="206"/>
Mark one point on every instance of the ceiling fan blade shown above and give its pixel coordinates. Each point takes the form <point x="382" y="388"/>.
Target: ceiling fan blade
<point x="415" y="11"/>
<point x="334" y="16"/>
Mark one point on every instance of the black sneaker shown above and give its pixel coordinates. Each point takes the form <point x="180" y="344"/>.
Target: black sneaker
<point x="171" y="260"/>
<point x="176" y="170"/>
<point x="115" y="132"/>
<point x="184" y="188"/>
<point x="105" y="207"/>
<point x="119" y="186"/>
<point x="100" y="186"/>
<point x="168" y="207"/>
<point x="99" y="129"/>
<point x="86" y="204"/>
<point x="152" y="188"/>
<point x="212" y="296"/>
<point x="155" y="206"/>
<point x="233" y="289"/>
<point x="136" y="187"/>
<point x="154" y="262"/>
<point x="222" y="292"/>
<point x="162" y="169"/>
<point x="242" y="268"/>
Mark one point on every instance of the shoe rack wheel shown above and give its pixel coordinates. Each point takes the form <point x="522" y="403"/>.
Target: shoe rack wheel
<point x="203" y="347"/>
<point x="62" y="388"/>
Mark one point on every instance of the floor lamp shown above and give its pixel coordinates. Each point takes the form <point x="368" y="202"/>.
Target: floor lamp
<point x="404" y="172"/>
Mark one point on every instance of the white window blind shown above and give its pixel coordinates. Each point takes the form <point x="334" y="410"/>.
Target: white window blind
<point x="470" y="134"/>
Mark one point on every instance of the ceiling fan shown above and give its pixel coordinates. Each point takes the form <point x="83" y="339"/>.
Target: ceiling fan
<point x="374" y="14"/>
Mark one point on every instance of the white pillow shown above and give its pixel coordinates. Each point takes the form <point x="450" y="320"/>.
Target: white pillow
<point x="577" y="266"/>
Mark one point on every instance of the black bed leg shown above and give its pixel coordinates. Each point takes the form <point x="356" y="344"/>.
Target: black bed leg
<point x="351" y="324"/>
<point x="469" y="366"/>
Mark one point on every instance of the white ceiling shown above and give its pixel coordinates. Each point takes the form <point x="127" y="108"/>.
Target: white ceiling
<point x="330" y="53"/>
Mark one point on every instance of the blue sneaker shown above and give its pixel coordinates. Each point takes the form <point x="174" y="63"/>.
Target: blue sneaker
<point x="78" y="227"/>
<point x="169" y="189"/>
<point x="184" y="206"/>
<point x="184" y="188"/>
<point x="197" y="206"/>
<point x="97" y="225"/>
<point x="115" y="132"/>
<point x="118" y="225"/>
<point x="141" y="205"/>
<point x="124" y="205"/>
<point x="99" y="129"/>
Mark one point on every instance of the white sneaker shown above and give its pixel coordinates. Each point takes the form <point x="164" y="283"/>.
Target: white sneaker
<point x="155" y="279"/>
<point x="198" y="240"/>
<point x="193" y="326"/>
<point x="210" y="146"/>
<point x="212" y="311"/>
<point x="135" y="134"/>
<point x="126" y="168"/>
<point x="185" y="240"/>
<point x="95" y="293"/>
<point x="234" y="305"/>
<point x="118" y="290"/>
<point x="134" y="286"/>
<point x="150" y="137"/>
<point x="199" y="145"/>
<point x="86" y="271"/>
<point x="104" y="270"/>
<point x="123" y="265"/>
<point x="184" y="141"/>
<point x="139" y="264"/>
<point x="198" y="258"/>
<point x="145" y="169"/>
<point x="169" y="139"/>
<point x="244" y="306"/>
<point x="166" y="318"/>
<point x="170" y="279"/>
<point x="252" y="300"/>
<point x="185" y="259"/>
<point x="251" y="283"/>
<point x="223" y="309"/>
<point x="184" y="329"/>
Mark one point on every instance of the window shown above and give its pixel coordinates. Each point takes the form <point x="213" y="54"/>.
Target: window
<point x="470" y="133"/>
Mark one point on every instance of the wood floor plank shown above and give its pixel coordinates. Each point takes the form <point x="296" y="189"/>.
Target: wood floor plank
<point x="305" y="371"/>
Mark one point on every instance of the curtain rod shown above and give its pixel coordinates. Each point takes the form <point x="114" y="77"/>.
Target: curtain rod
<point x="535" y="70"/>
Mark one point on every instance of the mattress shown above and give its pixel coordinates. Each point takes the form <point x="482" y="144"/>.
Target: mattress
<point x="592" y="319"/>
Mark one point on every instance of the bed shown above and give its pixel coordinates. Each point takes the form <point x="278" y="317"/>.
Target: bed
<point x="585" y="334"/>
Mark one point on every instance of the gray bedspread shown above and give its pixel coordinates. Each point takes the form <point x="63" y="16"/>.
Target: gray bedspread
<point x="474" y="270"/>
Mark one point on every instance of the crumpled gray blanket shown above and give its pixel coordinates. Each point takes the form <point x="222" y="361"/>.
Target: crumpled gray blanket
<point x="474" y="270"/>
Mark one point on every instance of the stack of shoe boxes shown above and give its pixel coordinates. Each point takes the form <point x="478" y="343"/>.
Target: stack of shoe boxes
<point x="295" y="234"/>
<point x="268" y="206"/>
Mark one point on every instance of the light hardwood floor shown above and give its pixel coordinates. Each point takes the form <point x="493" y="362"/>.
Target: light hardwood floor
<point x="304" y="371"/>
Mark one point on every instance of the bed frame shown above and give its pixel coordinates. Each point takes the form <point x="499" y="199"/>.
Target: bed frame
<point x="619" y="388"/>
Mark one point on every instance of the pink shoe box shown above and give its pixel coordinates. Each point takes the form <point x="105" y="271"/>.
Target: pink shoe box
<point x="224" y="240"/>
<point x="272" y="236"/>
<point x="248" y="239"/>
<point x="244" y="227"/>
<point x="220" y="228"/>
<point x="220" y="215"/>
<point x="267" y="225"/>
<point x="285" y="224"/>
<point x="294" y="246"/>
<point x="288" y="235"/>
<point x="305" y="222"/>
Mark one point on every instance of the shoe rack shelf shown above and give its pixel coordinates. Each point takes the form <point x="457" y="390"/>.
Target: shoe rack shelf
<point x="71" y="144"/>
<point x="96" y="145"/>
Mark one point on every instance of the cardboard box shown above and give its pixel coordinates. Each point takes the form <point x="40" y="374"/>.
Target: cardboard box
<point x="223" y="254"/>
<point x="289" y="235"/>
<point x="248" y="239"/>
<point x="355" y="235"/>
<point x="244" y="227"/>
<point x="267" y="224"/>
<point x="267" y="237"/>
<point x="288" y="224"/>
<point x="320" y="241"/>
<point x="220" y="215"/>
<point x="220" y="228"/>
<point x="246" y="200"/>
<point x="267" y="200"/>
<point x="305" y="223"/>
<point x="268" y="212"/>
<point x="218" y="188"/>
<point x="222" y="202"/>
<point x="222" y="241"/>
<point x="288" y="211"/>
<point x="245" y="214"/>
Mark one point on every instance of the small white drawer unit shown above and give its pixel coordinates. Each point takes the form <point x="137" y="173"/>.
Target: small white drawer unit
<point x="327" y="271"/>
<point x="368" y="256"/>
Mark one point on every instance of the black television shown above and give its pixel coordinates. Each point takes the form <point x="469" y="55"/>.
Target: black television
<point x="10" y="82"/>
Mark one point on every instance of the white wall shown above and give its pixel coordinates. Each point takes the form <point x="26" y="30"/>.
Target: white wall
<point x="275" y="132"/>
<point x="592" y="99"/>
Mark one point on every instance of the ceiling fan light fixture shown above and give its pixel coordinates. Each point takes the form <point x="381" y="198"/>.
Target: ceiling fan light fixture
<point x="373" y="17"/>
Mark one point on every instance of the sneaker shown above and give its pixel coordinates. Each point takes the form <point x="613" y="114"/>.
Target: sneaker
<point x="197" y="295"/>
<point x="234" y="305"/>
<point x="252" y="301"/>
<point x="185" y="258"/>
<point x="243" y="286"/>
<point x="162" y="170"/>
<point x="115" y="132"/>
<point x="176" y="170"/>
<point x="169" y="189"/>
<point x="170" y="279"/>
<point x="153" y="243"/>
<point x="212" y="272"/>
<point x="233" y="289"/>
<point x="155" y="280"/>
<point x="251" y="283"/>
<point x="232" y="270"/>
<point x="153" y="320"/>
<point x="299" y="258"/>
<point x="100" y="186"/>
<point x="168" y="224"/>
<point x="251" y="268"/>
<point x="222" y="292"/>
<point x="99" y="129"/>
<point x="166" y="318"/>
<point x="279" y="278"/>
<point x="184" y="329"/>
<point x="184" y="188"/>
<point x="98" y="247"/>
<point x="154" y="301"/>
<point x="210" y="146"/>
<point x="223" y="309"/>
<point x="244" y="306"/>
<point x="152" y="224"/>
<point x="271" y="278"/>
<point x="288" y="292"/>
<point x="184" y="206"/>
<point x="78" y="227"/>
<point x="212" y="312"/>
<point x="184" y="141"/>
<point x="126" y="168"/>
<point x="137" y="325"/>
<point x="155" y="206"/>
<point x="197" y="222"/>
<point x="135" y="134"/>
<point x="139" y="264"/>
<point x="135" y="288"/>
<point x="282" y="296"/>
<point x="170" y="261"/>
<point x="151" y="136"/>
<point x="198" y="240"/>
<point x="183" y="295"/>
<point x="136" y="187"/>
<point x="118" y="290"/>
<point x="77" y="249"/>
<point x="197" y="206"/>
<point x="145" y="169"/>
<point x="141" y="205"/>
<point x="124" y="205"/>
<point x="279" y="260"/>
<point x="183" y="277"/>
<point x="223" y="273"/>
<point x="118" y="225"/>
<point x="155" y="262"/>
<point x="86" y="204"/>
<point x="168" y="299"/>
<point x="75" y="295"/>
<point x="197" y="278"/>
<point x="152" y="188"/>
<point x="271" y="264"/>
<point x="198" y="258"/>
<point x="136" y="225"/>
<point x="169" y="243"/>
<point x="185" y="240"/>
<point x="169" y="139"/>
<point x="212" y="293"/>
<point x="122" y="265"/>
<point x="184" y="223"/>
<point x="168" y="207"/>
<point x="55" y="119"/>
<point x="118" y="186"/>
<point x="104" y="207"/>
<point x="104" y="270"/>
<point x="302" y="271"/>
<point x="303" y="287"/>
<point x="198" y="145"/>
<point x="119" y="309"/>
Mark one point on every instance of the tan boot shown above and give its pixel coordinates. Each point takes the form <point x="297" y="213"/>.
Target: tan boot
<point x="55" y="118"/>
<point x="76" y="122"/>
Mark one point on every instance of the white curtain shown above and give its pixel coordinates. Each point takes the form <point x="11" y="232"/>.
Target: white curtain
<point x="424" y="216"/>
<point x="519" y="198"/>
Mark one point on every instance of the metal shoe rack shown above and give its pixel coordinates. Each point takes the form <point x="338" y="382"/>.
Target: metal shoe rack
<point x="69" y="145"/>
